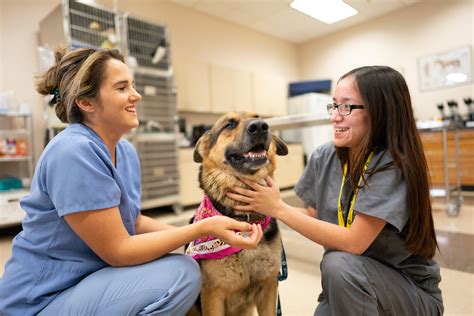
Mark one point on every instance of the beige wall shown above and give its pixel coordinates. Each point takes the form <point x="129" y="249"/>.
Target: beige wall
<point x="397" y="40"/>
<point x="193" y="35"/>
<point x="19" y="25"/>
<point x="206" y="38"/>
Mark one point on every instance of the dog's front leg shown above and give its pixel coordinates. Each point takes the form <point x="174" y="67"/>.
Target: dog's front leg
<point x="212" y="303"/>
<point x="266" y="303"/>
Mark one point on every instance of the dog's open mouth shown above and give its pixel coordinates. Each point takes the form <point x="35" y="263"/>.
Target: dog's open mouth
<point x="248" y="161"/>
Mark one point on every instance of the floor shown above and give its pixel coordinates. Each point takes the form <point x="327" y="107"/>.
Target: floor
<point x="299" y="292"/>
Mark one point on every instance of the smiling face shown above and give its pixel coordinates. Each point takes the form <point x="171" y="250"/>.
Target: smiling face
<point x="349" y="130"/>
<point x="240" y="143"/>
<point x="247" y="148"/>
<point x="115" y="110"/>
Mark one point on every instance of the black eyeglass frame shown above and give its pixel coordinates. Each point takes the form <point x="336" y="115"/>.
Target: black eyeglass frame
<point x="334" y="106"/>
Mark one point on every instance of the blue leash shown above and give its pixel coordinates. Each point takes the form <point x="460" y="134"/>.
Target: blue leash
<point x="282" y="275"/>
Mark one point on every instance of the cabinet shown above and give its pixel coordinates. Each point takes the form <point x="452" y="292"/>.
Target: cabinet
<point x="10" y="211"/>
<point x="209" y="88"/>
<point x="289" y="169"/>
<point x="243" y="91"/>
<point x="433" y="147"/>
<point x="270" y="94"/>
<point x="189" y="173"/>
<point x="159" y="169"/>
<point x="231" y="90"/>
<point x="192" y="86"/>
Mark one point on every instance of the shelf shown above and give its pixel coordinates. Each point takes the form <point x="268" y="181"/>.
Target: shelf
<point x="13" y="195"/>
<point x="12" y="218"/>
<point x="15" y="114"/>
<point x="10" y="211"/>
<point x="14" y="132"/>
<point x="16" y="158"/>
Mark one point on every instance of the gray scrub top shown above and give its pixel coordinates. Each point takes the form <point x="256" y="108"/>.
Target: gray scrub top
<point x="75" y="173"/>
<point x="384" y="197"/>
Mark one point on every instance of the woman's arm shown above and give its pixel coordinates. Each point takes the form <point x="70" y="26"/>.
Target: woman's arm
<point x="267" y="200"/>
<point x="355" y="239"/>
<point x="104" y="232"/>
<point x="145" y="224"/>
<point x="310" y="211"/>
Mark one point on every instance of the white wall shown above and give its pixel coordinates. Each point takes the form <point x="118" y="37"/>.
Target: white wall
<point x="397" y="40"/>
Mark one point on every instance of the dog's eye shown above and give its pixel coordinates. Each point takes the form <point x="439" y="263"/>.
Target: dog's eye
<point x="231" y="125"/>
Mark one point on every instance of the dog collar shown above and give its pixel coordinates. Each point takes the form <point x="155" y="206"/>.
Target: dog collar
<point x="210" y="247"/>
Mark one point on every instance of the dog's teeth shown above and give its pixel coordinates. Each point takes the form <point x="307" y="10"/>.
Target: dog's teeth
<point x="253" y="154"/>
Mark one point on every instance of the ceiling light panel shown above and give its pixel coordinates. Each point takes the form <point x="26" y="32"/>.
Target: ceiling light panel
<point x="327" y="11"/>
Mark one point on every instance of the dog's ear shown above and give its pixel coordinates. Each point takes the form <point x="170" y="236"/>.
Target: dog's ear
<point x="281" y="148"/>
<point x="202" y="141"/>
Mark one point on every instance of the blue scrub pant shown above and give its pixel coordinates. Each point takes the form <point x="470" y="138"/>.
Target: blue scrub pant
<point x="167" y="286"/>
<point x="359" y="285"/>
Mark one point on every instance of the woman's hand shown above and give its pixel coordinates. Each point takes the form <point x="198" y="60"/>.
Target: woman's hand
<point x="262" y="199"/>
<point x="226" y="228"/>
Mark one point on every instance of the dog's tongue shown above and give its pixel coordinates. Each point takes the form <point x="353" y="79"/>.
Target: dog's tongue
<point x="256" y="154"/>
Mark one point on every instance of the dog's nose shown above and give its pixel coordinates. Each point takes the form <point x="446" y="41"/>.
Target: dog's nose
<point x="257" y="127"/>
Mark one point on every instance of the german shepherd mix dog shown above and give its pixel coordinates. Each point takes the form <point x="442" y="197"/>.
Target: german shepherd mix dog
<point x="235" y="281"/>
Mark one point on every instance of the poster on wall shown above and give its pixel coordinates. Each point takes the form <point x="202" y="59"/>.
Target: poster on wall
<point x="445" y="69"/>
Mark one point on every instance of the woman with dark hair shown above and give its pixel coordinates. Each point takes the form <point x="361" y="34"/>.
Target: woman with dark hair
<point x="85" y="249"/>
<point x="368" y="204"/>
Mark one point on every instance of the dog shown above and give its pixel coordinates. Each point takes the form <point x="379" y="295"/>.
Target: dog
<point x="239" y="145"/>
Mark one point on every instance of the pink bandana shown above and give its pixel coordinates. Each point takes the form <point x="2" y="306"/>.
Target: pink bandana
<point x="209" y="247"/>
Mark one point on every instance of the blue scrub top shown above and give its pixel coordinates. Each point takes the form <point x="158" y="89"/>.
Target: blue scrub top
<point x="75" y="173"/>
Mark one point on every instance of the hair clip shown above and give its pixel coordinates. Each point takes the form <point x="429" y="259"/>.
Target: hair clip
<point x="56" y="97"/>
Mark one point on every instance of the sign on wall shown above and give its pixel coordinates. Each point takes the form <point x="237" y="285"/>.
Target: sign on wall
<point x="445" y="69"/>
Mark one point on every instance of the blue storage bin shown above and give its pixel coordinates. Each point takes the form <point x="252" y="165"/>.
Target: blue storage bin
<point x="10" y="183"/>
<point x="302" y="87"/>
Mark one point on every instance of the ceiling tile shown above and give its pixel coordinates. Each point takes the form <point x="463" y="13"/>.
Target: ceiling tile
<point x="277" y="18"/>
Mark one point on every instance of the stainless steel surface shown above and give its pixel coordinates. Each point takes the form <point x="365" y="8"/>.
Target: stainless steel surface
<point x="296" y="121"/>
<point x="155" y="82"/>
<point x="76" y="24"/>
<point x="142" y="39"/>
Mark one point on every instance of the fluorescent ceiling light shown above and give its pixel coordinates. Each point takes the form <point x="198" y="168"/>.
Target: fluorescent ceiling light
<point x="327" y="11"/>
<point x="456" y="77"/>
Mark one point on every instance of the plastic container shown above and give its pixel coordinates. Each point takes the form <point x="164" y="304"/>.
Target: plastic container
<point x="8" y="102"/>
<point x="10" y="183"/>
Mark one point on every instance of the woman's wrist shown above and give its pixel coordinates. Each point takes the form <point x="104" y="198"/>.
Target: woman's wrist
<point x="281" y="209"/>
<point x="201" y="228"/>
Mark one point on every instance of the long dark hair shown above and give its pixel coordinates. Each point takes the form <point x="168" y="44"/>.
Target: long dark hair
<point x="387" y="99"/>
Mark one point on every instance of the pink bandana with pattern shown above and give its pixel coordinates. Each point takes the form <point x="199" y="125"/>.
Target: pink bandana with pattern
<point x="210" y="247"/>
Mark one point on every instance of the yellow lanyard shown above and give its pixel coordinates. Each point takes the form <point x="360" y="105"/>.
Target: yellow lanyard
<point x="340" y="218"/>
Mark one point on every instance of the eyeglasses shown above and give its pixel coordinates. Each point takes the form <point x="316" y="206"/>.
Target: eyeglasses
<point x="344" y="109"/>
